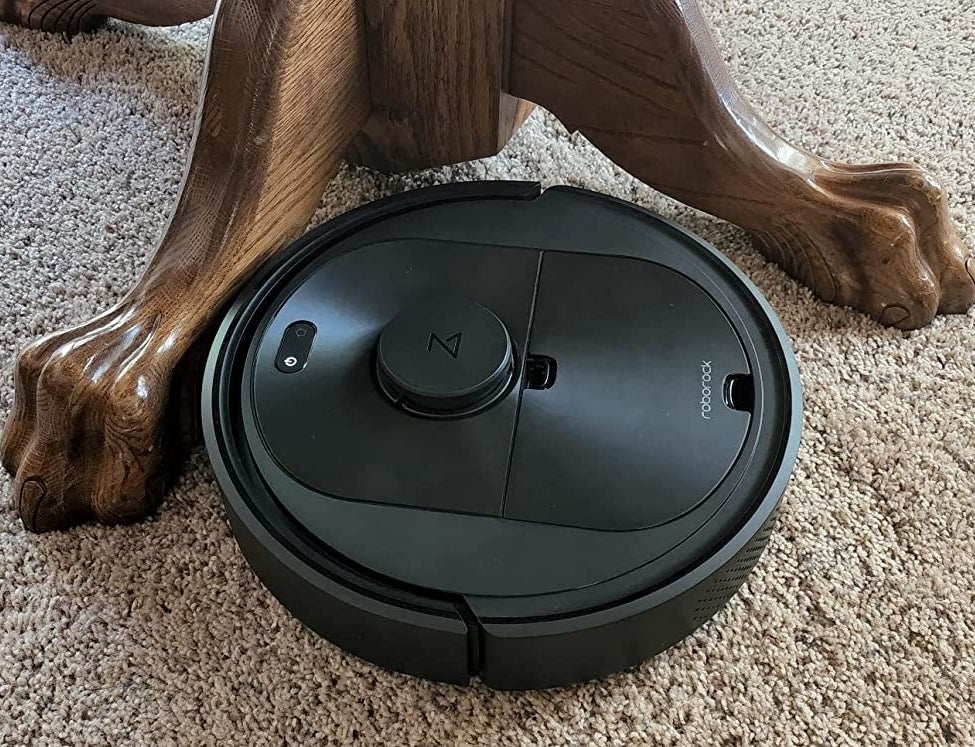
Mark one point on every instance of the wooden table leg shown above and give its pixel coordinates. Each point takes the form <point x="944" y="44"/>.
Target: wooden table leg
<point x="435" y="80"/>
<point x="285" y="92"/>
<point x="72" y="16"/>
<point x="644" y="81"/>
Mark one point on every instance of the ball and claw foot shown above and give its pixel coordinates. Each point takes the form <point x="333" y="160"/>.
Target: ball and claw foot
<point x="877" y="238"/>
<point x="87" y="435"/>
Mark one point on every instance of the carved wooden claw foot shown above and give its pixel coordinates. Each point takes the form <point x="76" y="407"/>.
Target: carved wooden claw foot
<point x="877" y="238"/>
<point x="86" y="437"/>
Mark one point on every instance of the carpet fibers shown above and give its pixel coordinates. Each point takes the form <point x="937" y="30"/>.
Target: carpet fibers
<point x="858" y="625"/>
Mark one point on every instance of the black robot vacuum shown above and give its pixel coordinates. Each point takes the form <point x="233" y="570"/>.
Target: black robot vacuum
<point x="486" y="431"/>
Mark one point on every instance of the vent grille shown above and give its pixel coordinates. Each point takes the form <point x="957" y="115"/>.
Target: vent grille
<point x="715" y="593"/>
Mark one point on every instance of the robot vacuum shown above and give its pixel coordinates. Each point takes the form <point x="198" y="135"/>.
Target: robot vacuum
<point x="486" y="431"/>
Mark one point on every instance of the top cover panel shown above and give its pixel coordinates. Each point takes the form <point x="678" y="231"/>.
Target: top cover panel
<point x="635" y="430"/>
<point x="331" y="427"/>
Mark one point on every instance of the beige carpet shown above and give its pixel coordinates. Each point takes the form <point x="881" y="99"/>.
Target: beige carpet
<point x="858" y="626"/>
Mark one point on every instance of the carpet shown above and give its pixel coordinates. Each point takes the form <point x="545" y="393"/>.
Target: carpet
<point x="857" y="626"/>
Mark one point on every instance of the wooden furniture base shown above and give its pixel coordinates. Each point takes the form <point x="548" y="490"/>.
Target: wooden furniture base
<point x="292" y="86"/>
<point x="72" y="16"/>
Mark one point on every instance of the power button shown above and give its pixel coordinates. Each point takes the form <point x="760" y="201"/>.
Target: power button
<point x="294" y="347"/>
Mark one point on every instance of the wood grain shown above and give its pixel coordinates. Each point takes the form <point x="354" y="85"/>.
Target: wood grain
<point x="72" y="16"/>
<point x="435" y="74"/>
<point x="645" y="82"/>
<point x="91" y="431"/>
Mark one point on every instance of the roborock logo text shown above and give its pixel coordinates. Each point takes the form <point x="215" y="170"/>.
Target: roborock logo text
<point x="706" y="390"/>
